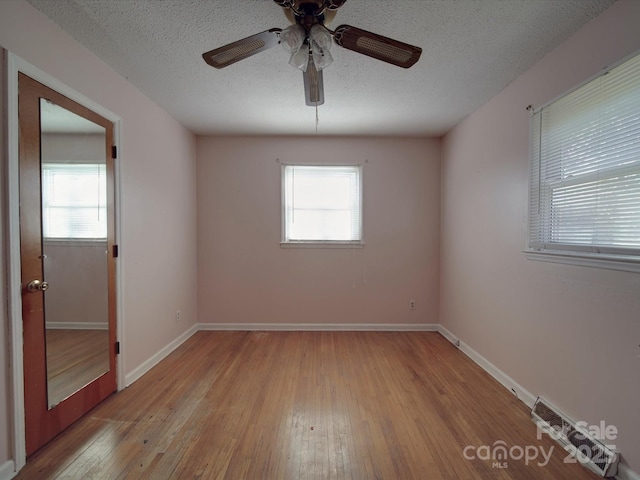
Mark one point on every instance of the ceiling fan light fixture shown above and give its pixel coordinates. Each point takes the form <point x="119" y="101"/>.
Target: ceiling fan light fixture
<point x="292" y="38"/>
<point x="321" y="41"/>
<point x="300" y="59"/>
<point x="321" y="36"/>
<point x="321" y="56"/>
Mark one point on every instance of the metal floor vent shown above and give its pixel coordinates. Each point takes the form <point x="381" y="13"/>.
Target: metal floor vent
<point x="589" y="451"/>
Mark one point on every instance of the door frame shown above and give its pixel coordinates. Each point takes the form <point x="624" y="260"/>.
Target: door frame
<point x="14" y="65"/>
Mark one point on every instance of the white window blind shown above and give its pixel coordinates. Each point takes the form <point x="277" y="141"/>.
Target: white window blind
<point x="74" y="201"/>
<point x="322" y="204"/>
<point x="585" y="168"/>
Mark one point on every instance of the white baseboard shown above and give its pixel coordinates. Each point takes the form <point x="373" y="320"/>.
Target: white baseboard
<point x="76" y="326"/>
<point x="327" y="327"/>
<point x="509" y="383"/>
<point x="158" y="357"/>
<point x="7" y="470"/>
<point x="625" y="473"/>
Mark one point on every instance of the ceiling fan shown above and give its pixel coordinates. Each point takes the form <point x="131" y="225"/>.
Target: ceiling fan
<point x="308" y="40"/>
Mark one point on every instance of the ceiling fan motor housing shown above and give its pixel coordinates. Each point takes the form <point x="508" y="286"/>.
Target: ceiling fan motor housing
<point x="319" y="4"/>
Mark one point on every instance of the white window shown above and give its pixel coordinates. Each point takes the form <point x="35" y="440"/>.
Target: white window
<point x="322" y="204"/>
<point x="74" y="201"/>
<point x="585" y="172"/>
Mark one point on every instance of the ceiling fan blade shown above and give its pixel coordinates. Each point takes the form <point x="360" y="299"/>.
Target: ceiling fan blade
<point x="376" y="46"/>
<point x="313" y="85"/>
<point x="236" y="51"/>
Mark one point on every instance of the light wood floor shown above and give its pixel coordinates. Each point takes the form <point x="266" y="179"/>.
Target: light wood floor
<point x="303" y="405"/>
<point x="74" y="359"/>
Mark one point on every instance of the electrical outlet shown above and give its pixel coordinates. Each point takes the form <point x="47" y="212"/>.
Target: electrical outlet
<point x="177" y="316"/>
<point x="412" y="305"/>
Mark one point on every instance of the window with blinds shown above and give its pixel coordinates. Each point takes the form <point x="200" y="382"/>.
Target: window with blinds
<point x="322" y="204"/>
<point x="74" y="201"/>
<point x="585" y="169"/>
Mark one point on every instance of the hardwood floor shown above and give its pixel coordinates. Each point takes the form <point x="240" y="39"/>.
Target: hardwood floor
<point x="305" y="405"/>
<point x="74" y="358"/>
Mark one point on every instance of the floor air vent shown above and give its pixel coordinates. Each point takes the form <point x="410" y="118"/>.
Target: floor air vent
<point x="588" y="450"/>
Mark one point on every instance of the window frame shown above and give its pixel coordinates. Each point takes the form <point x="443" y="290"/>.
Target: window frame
<point x="284" y="243"/>
<point x="625" y="259"/>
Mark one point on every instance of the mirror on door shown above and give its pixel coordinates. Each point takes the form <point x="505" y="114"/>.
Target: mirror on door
<point x="75" y="251"/>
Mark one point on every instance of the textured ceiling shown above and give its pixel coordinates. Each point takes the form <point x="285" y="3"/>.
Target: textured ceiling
<point x="472" y="49"/>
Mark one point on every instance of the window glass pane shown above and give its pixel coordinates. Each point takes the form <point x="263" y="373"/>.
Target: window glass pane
<point x="322" y="203"/>
<point x="74" y="201"/>
<point x="602" y="213"/>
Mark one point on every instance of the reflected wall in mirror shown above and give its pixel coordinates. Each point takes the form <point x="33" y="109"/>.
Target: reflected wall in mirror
<point x="74" y="241"/>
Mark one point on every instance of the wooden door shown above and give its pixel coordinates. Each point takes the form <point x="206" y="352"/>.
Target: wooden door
<point x="69" y="350"/>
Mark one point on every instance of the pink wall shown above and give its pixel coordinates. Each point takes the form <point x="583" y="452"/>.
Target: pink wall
<point x="568" y="333"/>
<point x="78" y="288"/>
<point x="72" y="148"/>
<point x="245" y="277"/>
<point x="158" y="181"/>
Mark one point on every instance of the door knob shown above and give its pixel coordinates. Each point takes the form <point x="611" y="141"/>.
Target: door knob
<point x="37" y="286"/>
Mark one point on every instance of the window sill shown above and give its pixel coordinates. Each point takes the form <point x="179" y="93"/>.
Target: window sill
<point x="321" y="244"/>
<point x="75" y="242"/>
<point x="611" y="262"/>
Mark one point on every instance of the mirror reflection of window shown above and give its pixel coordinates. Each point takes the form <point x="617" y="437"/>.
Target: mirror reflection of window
<point x="74" y="201"/>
